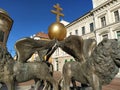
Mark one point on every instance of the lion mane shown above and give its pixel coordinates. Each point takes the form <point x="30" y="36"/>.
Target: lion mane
<point x="103" y="59"/>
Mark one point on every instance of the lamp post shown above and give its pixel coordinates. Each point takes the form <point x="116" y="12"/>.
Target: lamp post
<point x="5" y="27"/>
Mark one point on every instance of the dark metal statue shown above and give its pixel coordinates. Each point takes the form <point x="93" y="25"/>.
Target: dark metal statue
<point x="77" y="47"/>
<point x="26" y="47"/>
<point x="97" y="70"/>
<point x="13" y="71"/>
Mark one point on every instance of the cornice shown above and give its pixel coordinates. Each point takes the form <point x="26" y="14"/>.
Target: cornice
<point x="90" y="13"/>
<point x="107" y="26"/>
<point x="87" y="15"/>
<point x="103" y="5"/>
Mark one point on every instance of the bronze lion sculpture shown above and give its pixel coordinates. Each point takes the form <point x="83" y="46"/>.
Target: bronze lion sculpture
<point x="14" y="71"/>
<point x="97" y="70"/>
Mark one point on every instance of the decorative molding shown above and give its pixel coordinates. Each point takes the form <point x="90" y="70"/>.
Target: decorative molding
<point x="104" y="32"/>
<point x="103" y="5"/>
<point x="89" y="14"/>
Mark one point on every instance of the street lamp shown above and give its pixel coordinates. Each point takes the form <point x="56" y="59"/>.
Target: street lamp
<point x="5" y="27"/>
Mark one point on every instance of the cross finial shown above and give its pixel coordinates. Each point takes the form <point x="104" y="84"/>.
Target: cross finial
<point x="57" y="12"/>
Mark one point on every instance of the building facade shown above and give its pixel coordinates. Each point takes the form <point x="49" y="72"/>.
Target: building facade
<point x="103" y="21"/>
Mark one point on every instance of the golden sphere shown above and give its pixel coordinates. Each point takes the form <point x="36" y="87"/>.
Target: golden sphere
<point x="57" y="31"/>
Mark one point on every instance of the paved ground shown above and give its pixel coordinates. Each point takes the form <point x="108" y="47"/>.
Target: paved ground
<point x="114" y="85"/>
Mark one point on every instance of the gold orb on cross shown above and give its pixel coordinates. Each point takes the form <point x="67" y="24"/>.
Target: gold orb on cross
<point x="57" y="30"/>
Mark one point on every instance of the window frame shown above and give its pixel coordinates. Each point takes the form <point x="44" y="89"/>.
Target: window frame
<point x="103" y="21"/>
<point x="91" y="27"/>
<point x="76" y="32"/>
<point x="83" y="30"/>
<point x="116" y="16"/>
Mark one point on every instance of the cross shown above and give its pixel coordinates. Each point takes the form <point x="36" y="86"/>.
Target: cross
<point x="57" y="12"/>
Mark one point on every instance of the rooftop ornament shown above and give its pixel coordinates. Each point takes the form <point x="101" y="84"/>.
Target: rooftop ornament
<point x="57" y="30"/>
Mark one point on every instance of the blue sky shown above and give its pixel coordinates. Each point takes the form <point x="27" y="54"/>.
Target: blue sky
<point x="33" y="16"/>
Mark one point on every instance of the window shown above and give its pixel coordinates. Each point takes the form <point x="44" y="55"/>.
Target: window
<point x="76" y="32"/>
<point x="103" y="21"/>
<point x="118" y="35"/>
<point x="83" y="30"/>
<point x="116" y="14"/>
<point x="105" y="36"/>
<point x="1" y="36"/>
<point x="91" y="27"/>
<point x="57" y="66"/>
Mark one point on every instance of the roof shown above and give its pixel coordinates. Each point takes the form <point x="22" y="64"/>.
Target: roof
<point x="42" y="35"/>
<point x="64" y="22"/>
<point x="80" y="18"/>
